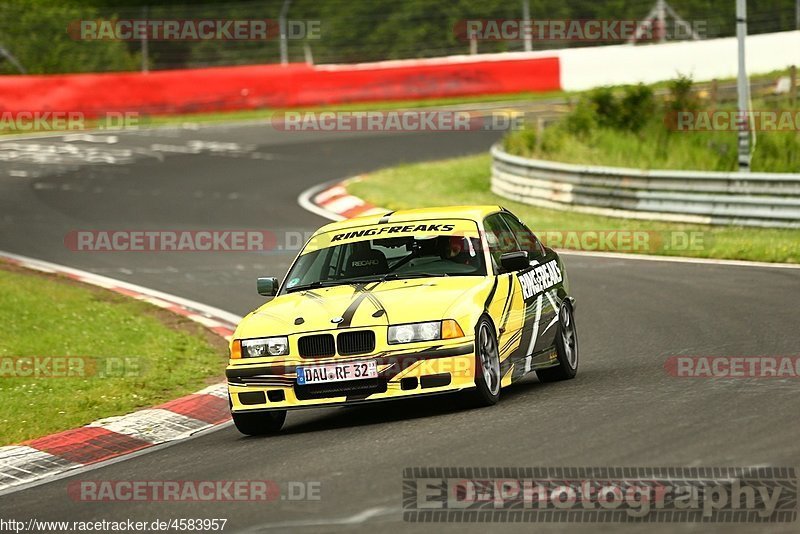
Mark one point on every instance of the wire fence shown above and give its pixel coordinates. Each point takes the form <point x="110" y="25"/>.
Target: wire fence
<point x="39" y="37"/>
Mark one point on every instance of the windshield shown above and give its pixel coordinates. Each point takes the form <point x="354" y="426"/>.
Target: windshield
<point x="387" y="259"/>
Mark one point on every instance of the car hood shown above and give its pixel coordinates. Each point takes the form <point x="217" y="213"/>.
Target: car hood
<point x="361" y="305"/>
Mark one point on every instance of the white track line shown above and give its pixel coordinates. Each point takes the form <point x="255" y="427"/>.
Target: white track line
<point x="305" y="199"/>
<point x="679" y="259"/>
<point x="22" y="467"/>
<point x="105" y="281"/>
<point x="355" y="519"/>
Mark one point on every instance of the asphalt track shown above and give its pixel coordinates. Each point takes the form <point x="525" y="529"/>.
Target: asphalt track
<point x="622" y="410"/>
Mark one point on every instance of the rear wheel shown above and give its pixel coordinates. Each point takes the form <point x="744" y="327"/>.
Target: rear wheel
<point x="566" y="349"/>
<point x="259" y="423"/>
<point x="487" y="365"/>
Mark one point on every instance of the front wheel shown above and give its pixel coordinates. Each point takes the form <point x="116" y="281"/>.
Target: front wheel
<point x="566" y="349"/>
<point x="487" y="365"/>
<point x="259" y="423"/>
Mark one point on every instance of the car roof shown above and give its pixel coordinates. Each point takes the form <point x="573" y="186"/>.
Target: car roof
<point x="473" y="213"/>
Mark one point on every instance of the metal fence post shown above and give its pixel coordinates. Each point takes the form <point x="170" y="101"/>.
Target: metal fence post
<point x="282" y="23"/>
<point x="743" y="89"/>
<point x="13" y="60"/>
<point x="526" y="17"/>
<point x="145" y="54"/>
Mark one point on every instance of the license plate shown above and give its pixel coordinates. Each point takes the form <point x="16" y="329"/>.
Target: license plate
<point x="336" y="372"/>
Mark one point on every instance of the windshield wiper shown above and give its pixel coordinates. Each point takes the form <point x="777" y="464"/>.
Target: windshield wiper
<point x="383" y="278"/>
<point x="401" y="276"/>
<point x="314" y="285"/>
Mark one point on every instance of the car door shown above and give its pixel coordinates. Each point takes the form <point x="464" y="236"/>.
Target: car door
<point x="542" y="304"/>
<point x="507" y="307"/>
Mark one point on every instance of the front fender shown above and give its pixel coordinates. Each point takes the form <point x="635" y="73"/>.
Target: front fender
<point x="476" y="302"/>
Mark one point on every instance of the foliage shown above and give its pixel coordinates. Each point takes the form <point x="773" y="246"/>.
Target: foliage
<point x="35" y="30"/>
<point x="631" y="127"/>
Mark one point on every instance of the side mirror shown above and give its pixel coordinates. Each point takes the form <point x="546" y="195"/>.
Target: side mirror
<point x="267" y="286"/>
<point x="514" y="261"/>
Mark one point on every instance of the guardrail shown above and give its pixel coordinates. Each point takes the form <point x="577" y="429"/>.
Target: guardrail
<point x="753" y="199"/>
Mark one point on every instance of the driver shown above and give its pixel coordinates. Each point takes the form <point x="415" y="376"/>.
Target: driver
<point x="457" y="249"/>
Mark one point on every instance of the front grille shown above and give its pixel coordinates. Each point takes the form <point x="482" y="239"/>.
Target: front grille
<point x="362" y="342"/>
<point x="317" y="346"/>
<point x="361" y="388"/>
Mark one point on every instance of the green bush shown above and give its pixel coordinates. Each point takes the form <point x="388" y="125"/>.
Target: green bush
<point x="636" y="108"/>
<point x="606" y="107"/>
<point x="630" y="127"/>
<point x="523" y="143"/>
<point x="681" y="95"/>
<point x="582" y="120"/>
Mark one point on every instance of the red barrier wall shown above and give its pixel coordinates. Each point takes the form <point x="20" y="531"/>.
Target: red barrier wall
<point x="232" y="88"/>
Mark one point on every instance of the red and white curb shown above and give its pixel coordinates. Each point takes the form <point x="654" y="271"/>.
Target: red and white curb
<point x="332" y="201"/>
<point x="113" y="437"/>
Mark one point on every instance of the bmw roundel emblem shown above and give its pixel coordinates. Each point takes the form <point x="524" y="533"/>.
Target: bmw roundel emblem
<point x="337" y="320"/>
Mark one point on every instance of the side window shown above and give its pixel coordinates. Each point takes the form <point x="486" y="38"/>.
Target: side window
<point x="499" y="238"/>
<point x="311" y="266"/>
<point x="525" y="238"/>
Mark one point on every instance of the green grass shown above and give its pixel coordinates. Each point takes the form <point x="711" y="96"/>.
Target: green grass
<point x="466" y="181"/>
<point x="43" y="316"/>
<point x="656" y="148"/>
<point x="633" y="126"/>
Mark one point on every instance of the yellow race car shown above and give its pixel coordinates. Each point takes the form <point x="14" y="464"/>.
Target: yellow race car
<point x="408" y="303"/>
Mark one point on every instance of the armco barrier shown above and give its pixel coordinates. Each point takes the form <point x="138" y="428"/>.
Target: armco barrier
<point x="753" y="199"/>
<point x="275" y="86"/>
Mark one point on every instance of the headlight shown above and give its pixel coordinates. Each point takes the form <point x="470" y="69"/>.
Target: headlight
<point x="430" y="331"/>
<point x="266" y="346"/>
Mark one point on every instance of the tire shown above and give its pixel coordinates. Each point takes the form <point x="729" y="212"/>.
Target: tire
<point x="487" y="366"/>
<point x="259" y="423"/>
<point x="566" y="349"/>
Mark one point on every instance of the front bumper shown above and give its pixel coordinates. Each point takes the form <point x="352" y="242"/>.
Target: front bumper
<point x="437" y="368"/>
